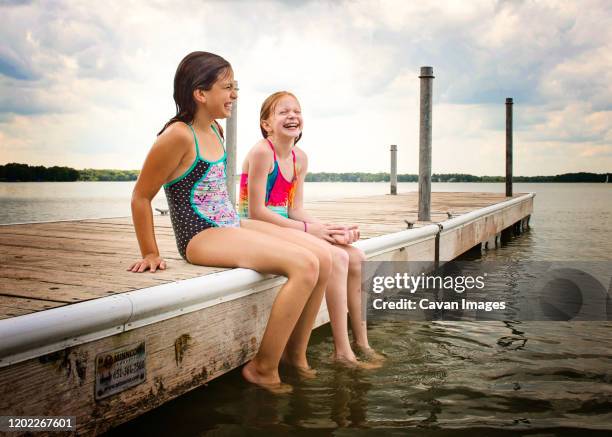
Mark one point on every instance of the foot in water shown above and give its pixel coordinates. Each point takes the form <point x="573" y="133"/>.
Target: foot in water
<point x="299" y="366"/>
<point x="272" y="383"/>
<point x="369" y="354"/>
<point x="354" y="363"/>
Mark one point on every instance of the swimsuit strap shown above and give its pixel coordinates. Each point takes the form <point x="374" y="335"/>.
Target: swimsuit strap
<point x="272" y="147"/>
<point x="292" y="154"/>
<point x="215" y="126"/>
<point x="195" y="138"/>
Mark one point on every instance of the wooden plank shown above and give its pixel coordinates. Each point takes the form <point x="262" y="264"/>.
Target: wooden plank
<point x="174" y="269"/>
<point x="8" y="312"/>
<point x="27" y="304"/>
<point x="44" y="242"/>
<point x="15" y="253"/>
<point x="87" y="279"/>
<point x="55" y="291"/>
<point x="83" y="232"/>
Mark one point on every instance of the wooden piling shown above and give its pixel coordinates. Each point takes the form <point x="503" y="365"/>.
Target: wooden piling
<point x="509" y="104"/>
<point x="393" y="169"/>
<point x="230" y="147"/>
<point x="425" y="144"/>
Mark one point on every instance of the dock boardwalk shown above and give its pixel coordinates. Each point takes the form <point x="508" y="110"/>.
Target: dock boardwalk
<point x="67" y="305"/>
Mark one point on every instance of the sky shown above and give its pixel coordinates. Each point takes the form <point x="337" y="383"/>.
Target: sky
<point x="89" y="84"/>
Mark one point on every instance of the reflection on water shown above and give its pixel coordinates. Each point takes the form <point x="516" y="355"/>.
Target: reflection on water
<point x="441" y="378"/>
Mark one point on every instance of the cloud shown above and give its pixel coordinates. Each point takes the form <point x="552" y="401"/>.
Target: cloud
<point x="13" y="66"/>
<point x="593" y="151"/>
<point x="97" y="80"/>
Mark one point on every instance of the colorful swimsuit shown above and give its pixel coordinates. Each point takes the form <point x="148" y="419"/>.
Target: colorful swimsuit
<point x="198" y="199"/>
<point x="279" y="191"/>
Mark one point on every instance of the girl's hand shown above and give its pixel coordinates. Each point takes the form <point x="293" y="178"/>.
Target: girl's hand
<point x="322" y="231"/>
<point x="339" y="233"/>
<point x="150" y="261"/>
<point x="342" y="238"/>
<point x="354" y="233"/>
<point x="344" y="234"/>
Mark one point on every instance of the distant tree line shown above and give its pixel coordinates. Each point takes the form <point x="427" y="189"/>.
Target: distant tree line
<point x="90" y="174"/>
<point x="14" y="172"/>
<point x="347" y="177"/>
<point x="566" y="177"/>
<point x="452" y="177"/>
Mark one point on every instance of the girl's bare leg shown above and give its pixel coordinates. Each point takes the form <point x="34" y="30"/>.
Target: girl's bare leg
<point x="295" y="353"/>
<point x="336" y="298"/>
<point x="358" y="324"/>
<point x="239" y="247"/>
<point x="335" y="295"/>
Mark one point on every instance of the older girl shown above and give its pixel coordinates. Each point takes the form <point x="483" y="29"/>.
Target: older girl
<point x="188" y="159"/>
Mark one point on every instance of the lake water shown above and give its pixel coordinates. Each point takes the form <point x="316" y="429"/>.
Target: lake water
<point x="441" y="378"/>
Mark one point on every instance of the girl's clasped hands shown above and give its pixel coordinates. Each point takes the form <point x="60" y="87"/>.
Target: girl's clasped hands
<point x="334" y="233"/>
<point x="344" y="234"/>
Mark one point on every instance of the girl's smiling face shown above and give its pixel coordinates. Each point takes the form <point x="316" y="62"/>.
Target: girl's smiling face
<point x="221" y="96"/>
<point x="286" y="118"/>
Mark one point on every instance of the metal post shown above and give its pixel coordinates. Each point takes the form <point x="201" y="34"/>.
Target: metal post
<point x="425" y="144"/>
<point x="230" y="145"/>
<point x="509" y="104"/>
<point x="393" y="169"/>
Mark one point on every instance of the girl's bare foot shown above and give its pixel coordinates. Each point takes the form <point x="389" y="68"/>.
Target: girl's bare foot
<point x="272" y="383"/>
<point x="299" y="365"/>
<point x="354" y="363"/>
<point x="302" y="372"/>
<point x="368" y="353"/>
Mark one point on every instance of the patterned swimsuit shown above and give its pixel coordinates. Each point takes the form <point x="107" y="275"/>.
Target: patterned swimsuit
<point x="198" y="199"/>
<point x="279" y="191"/>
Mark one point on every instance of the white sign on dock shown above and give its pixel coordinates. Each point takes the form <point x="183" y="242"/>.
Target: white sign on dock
<point x="120" y="369"/>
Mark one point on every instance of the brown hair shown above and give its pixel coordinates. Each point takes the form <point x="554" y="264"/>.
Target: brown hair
<point x="267" y="107"/>
<point x="197" y="70"/>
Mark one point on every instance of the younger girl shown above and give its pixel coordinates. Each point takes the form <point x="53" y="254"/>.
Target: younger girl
<point x="271" y="189"/>
<point x="188" y="159"/>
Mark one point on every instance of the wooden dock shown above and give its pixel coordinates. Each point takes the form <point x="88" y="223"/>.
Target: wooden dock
<point x="72" y="318"/>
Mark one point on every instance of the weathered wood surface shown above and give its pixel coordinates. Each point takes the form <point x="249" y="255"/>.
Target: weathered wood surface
<point x="66" y="262"/>
<point x="182" y="354"/>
